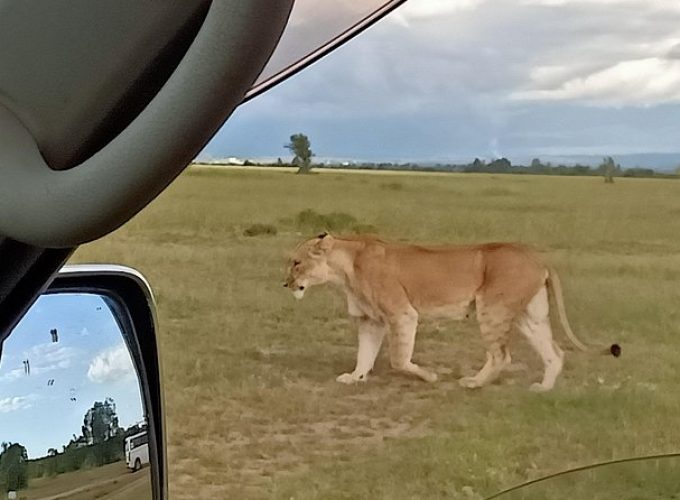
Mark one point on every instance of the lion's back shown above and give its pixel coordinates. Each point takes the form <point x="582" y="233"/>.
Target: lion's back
<point x="447" y="278"/>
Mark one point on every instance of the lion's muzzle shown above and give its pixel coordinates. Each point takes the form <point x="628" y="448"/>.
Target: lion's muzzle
<point x="297" y="290"/>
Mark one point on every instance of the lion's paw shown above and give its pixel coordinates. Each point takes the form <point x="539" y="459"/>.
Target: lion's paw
<point x="536" y="387"/>
<point x="349" y="378"/>
<point x="469" y="382"/>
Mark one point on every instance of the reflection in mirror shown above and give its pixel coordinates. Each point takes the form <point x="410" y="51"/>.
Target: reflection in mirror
<point x="71" y="415"/>
<point x="311" y="27"/>
<point x="647" y="477"/>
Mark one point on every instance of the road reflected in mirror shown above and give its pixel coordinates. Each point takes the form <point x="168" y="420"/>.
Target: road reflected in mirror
<point x="71" y="414"/>
<point x="646" y="477"/>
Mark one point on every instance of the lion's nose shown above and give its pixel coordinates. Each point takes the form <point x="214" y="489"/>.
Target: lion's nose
<point x="285" y="285"/>
<point x="301" y="288"/>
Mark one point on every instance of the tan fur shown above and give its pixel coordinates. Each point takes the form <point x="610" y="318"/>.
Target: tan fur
<point x="389" y="287"/>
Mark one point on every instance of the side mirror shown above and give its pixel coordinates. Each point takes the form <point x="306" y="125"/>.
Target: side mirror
<point x="81" y="405"/>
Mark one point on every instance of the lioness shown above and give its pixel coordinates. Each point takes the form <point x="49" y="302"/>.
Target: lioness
<point x="389" y="286"/>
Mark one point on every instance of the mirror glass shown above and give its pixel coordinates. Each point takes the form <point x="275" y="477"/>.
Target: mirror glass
<point x="72" y="423"/>
<point x="312" y="26"/>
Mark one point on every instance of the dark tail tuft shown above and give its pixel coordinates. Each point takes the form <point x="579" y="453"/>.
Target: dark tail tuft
<point x="615" y="349"/>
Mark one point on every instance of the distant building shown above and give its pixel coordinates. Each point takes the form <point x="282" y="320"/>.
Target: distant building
<point x="235" y="161"/>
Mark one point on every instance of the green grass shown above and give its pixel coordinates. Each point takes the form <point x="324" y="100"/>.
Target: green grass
<point x="253" y="410"/>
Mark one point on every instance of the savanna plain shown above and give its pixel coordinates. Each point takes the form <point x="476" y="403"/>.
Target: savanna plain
<point x="253" y="409"/>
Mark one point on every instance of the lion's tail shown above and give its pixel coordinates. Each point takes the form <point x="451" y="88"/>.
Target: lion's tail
<point x="556" y="287"/>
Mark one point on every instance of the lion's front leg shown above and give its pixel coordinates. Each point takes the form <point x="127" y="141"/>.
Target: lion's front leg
<point x="402" y="342"/>
<point x="371" y="334"/>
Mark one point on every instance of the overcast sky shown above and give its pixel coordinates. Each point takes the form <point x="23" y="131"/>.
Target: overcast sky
<point x="455" y="79"/>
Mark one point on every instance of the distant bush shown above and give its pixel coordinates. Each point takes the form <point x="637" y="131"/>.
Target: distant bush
<point x="639" y="172"/>
<point x="73" y="459"/>
<point x="312" y="220"/>
<point x="260" y="229"/>
<point x="364" y="229"/>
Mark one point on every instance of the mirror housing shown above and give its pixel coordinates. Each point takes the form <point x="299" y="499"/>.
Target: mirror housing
<point x="130" y="301"/>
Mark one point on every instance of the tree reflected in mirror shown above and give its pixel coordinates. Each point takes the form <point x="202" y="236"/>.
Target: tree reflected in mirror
<point x="72" y="421"/>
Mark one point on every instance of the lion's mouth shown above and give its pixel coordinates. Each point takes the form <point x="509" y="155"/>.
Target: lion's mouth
<point x="297" y="290"/>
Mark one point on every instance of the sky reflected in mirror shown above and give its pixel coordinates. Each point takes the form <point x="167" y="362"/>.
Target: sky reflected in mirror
<point x="67" y="353"/>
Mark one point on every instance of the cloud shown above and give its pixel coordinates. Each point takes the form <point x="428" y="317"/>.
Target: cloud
<point x="605" y="53"/>
<point x="311" y="25"/>
<point x="638" y="82"/>
<point x="437" y="55"/>
<point x="415" y="10"/>
<point x="657" y="4"/>
<point x="111" y="365"/>
<point x="15" y="403"/>
<point x="51" y="353"/>
<point x="43" y="358"/>
<point x="445" y="78"/>
<point x="49" y="357"/>
<point x="12" y="375"/>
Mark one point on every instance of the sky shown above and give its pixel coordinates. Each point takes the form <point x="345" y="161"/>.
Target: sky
<point x="88" y="363"/>
<point x="456" y="79"/>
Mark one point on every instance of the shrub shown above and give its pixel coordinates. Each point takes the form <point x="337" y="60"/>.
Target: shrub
<point x="312" y="220"/>
<point x="364" y="229"/>
<point x="392" y="186"/>
<point x="260" y="229"/>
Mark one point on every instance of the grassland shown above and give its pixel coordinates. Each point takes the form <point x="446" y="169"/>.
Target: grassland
<point x="110" y="482"/>
<point x="253" y="410"/>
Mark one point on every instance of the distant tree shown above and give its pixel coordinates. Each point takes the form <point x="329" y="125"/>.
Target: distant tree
<point x="608" y="168"/>
<point x="52" y="452"/>
<point x="100" y="422"/>
<point x="500" y="165"/>
<point x="279" y="162"/>
<point x="581" y="170"/>
<point x="536" y="164"/>
<point x="300" y="146"/>
<point x="13" y="467"/>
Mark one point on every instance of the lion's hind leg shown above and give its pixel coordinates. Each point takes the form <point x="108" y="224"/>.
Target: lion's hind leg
<point x="495" y="323"/>
<point x="535" y="326"/>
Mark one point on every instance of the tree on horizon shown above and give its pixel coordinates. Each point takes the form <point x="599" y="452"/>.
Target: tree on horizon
<point x="300" y="146"/>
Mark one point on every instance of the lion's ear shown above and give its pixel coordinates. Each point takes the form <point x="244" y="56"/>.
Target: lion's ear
<point x="322" y="245"/>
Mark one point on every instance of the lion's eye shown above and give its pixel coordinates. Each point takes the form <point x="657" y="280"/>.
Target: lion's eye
<point x="296" y="262"/>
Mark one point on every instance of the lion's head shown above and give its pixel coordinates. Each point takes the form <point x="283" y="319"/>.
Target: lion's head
<point x="309" y="265"/>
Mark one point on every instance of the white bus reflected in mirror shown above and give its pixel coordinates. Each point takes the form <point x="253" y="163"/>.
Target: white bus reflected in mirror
<point x="72" y="421"/>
